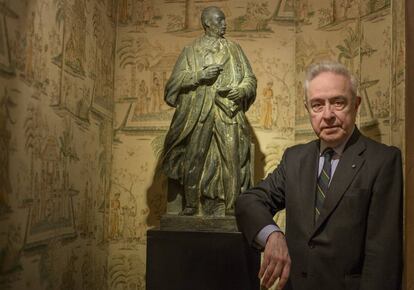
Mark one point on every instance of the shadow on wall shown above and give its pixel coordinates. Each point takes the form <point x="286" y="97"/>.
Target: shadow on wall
<point x="157" y="196"/>
<point x="373" y="132"/>
<point x="258" y="158"/>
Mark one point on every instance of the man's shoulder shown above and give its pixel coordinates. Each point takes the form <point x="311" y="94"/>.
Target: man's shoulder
<point x="193" y="43"/>
<point x="302" y="148"/>
<point x="376" y="147"/>
<point x="231" y="43"/>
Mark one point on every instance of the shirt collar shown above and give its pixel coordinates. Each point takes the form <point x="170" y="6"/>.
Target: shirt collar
<point x="338" y="149"/>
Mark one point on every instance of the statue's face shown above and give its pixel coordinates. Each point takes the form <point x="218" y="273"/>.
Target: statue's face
<point x="217" y="23"/>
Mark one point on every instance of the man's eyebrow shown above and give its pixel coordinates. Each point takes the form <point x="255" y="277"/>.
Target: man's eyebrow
<point x="339" y="97"/>
<point x="318" y="99"/>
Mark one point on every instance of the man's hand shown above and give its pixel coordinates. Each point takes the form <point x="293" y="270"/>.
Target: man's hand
<point x="210" y="72"/>
<point x="235" y="95"/>
<point x="276" y="261"/>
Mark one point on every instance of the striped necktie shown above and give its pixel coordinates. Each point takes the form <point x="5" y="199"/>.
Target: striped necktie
<point x="323" y="181"/>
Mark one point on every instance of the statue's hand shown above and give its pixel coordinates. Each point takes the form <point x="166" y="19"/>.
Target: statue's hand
<point x="235" y="94"/>
<point x="210" y="72"/>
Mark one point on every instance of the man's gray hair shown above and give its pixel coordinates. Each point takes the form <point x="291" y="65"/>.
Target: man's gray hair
<point x="205" y="14"/>
<point x="330" y="66"/>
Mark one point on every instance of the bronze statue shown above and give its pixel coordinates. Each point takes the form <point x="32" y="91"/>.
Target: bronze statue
<point x="207" y="147"/>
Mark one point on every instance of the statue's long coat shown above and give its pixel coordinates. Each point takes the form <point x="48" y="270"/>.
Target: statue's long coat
<point x="207" y="148"/>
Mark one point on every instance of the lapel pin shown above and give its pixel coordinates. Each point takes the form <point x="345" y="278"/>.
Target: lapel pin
<point x="353" y="165"/>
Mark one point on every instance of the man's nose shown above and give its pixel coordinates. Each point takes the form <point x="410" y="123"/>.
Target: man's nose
<point x="328" y="112"/>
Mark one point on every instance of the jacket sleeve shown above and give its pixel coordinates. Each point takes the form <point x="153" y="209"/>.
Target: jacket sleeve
<point x="183" y="77"/>
<point x="256" y="207"/>
<point x="249" y="82"/>
<point x="382" y="267"/>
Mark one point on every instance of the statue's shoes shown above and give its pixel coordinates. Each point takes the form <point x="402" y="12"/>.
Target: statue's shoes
<point x="189" y="211"/>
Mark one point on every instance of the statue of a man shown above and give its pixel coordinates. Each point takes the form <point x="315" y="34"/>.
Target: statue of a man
<point x="207" y="148"/>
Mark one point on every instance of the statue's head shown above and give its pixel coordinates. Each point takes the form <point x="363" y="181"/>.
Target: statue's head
<point x="213" y="21"/>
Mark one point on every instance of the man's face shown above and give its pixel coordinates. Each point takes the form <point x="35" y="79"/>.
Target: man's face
<point x="217" y="23"/>
<point x="331" y="108"/>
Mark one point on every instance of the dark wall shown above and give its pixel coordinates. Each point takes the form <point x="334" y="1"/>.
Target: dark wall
<point x="409" y="133"/>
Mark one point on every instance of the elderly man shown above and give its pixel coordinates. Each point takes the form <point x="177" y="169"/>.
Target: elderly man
<point x="343" y="199"/>
<point x="207" y="148"/>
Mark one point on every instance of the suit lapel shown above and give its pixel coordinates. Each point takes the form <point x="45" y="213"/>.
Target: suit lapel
<point x="348" y="166"/>
<point x="309" y="163"/>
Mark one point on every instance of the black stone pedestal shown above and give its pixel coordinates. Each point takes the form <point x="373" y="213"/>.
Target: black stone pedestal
<point x="183" y="260"/>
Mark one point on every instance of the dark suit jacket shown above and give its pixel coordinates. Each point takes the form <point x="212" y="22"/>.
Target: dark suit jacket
<point x="357" y="241"/>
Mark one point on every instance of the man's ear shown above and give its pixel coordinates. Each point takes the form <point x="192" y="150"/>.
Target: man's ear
<point x="207" y="23"/>
<point x="306" y="105"/>
<point x="357" y="102"/>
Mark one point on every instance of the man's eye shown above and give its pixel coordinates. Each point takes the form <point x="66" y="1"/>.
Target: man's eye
<point x="339" y="104"/>
<point x="316" y="107"/>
